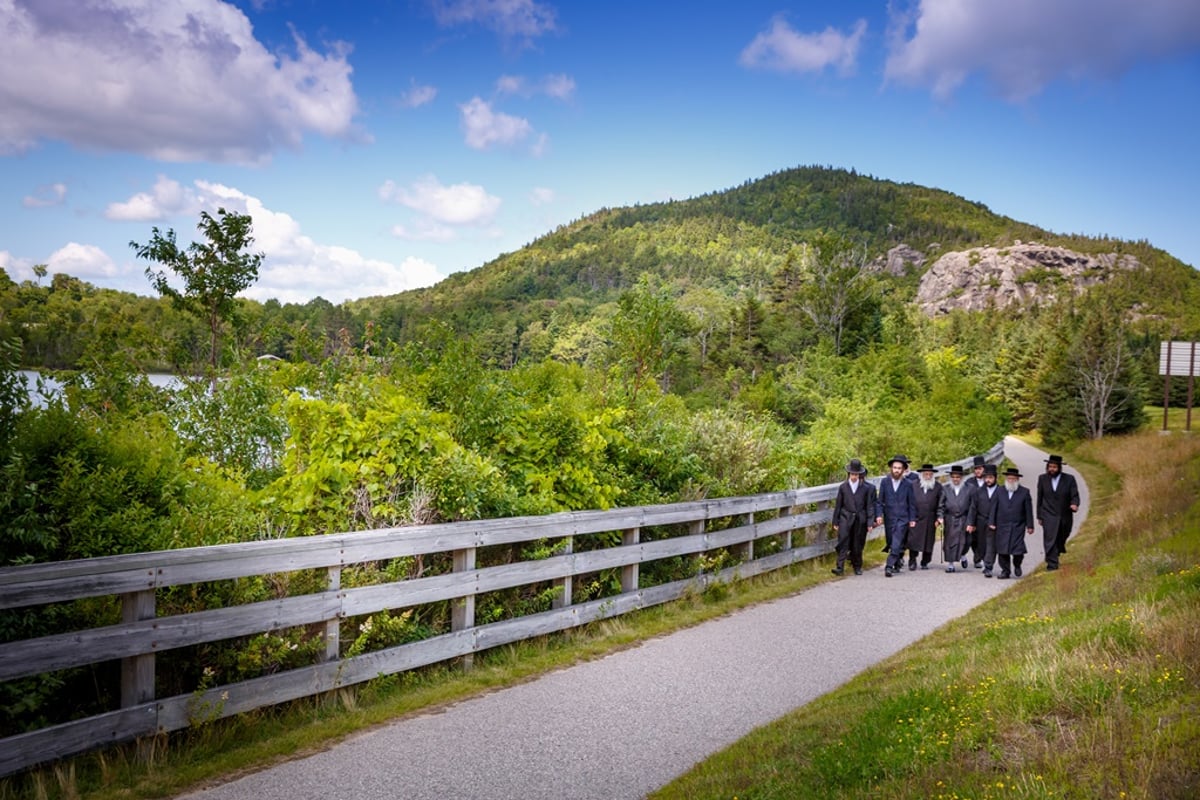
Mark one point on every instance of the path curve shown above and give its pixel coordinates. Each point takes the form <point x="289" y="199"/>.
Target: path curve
<point x="625" y="724"/>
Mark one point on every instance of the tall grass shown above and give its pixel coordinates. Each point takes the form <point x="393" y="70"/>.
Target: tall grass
<point x="1080" y="683"/>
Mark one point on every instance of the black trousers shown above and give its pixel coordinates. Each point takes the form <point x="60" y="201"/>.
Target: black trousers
<point x="1004" y="562"/>
<point x="851" y="541"/>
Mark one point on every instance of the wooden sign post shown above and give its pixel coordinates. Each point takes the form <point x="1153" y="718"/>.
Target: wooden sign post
<point x="1177" y="358"/>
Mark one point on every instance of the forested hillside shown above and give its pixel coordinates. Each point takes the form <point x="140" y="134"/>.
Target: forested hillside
<point x="737" y="343"/>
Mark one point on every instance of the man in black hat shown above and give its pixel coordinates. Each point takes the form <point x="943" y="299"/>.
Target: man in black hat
<point x="927" y="493"/>
<point x="974" y="544"/>
<point x="1057" y="502"/>
<point x="1012" y="519"/>
<point x="985" y="501"/>
<point x="855" y="509"/>
<point x="958" y="517"/>
<point x="898" y="504"/>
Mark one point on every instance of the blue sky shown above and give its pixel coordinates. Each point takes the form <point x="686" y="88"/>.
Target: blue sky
<point x="382" y="146"/>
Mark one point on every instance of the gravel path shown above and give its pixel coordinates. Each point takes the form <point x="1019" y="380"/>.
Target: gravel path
<point x="625" y="724"/>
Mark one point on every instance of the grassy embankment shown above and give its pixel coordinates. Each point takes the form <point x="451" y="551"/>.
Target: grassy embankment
<point x="1081" y="683"/>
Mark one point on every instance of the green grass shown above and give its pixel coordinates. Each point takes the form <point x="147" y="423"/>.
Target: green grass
<point x="1080" y="683"/>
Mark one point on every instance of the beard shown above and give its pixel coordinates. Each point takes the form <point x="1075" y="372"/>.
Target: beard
<point x="927" y="485"/>
<point x="1011" y="484"/>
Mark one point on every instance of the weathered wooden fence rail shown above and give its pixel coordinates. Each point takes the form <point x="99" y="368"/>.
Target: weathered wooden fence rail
<point x="142" y="634"/>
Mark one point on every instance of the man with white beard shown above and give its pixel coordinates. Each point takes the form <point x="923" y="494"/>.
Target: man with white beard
<point x="921" y="537"/>
<point x="1012" y="520"/>
<point x="958" y="517"/>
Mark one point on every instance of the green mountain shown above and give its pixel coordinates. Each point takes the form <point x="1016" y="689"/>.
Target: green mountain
<point x="734" y="242"/>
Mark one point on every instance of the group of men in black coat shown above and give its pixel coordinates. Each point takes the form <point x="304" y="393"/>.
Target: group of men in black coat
<point x="979" y="517"/>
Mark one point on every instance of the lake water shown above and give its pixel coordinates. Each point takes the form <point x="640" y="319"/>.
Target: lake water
<point x="53" y="388"/>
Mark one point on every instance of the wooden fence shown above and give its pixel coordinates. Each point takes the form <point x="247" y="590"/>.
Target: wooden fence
<point x="734" y="524"/>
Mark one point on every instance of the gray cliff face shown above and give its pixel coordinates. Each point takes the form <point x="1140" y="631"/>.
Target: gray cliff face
<point x="899" y="260"/>
<point x="1022" y="274"/>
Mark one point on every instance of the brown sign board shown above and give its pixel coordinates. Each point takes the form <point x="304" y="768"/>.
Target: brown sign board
<point x="1179" y="358"/>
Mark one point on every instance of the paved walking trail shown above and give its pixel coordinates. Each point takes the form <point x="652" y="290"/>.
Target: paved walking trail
<point x="624" y="725"/>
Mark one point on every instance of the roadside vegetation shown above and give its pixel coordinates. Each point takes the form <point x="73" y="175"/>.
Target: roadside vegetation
<point x="738" y="343"/>
<point x="1083" y="683"/>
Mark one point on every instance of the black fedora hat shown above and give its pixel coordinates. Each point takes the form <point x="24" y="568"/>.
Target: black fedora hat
<point x="855" y="467"/>
<point x="989" y="469"/>
<point x="957" y="469"/>
<point x="1053" y="459"/>
<point x="1012" y="472"/>
<point x="927" y="468"/>
<point x="978" y="461"/>
<point x="902" y="459"/>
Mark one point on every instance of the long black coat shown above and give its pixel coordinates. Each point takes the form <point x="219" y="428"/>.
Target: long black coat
<point x="899" y="507"/>
<point x="855" y="510"/>
<point x="1054" y="512"/>
<point x="1013" y="519"/>
<point x="958" y="511"/>
<point x="983" y="506"/>
<point x="928" y="503"/>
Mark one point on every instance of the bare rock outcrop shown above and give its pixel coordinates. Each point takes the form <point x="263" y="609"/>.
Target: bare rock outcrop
<point x="1022" y="274"/>
<point x="899" y="260"/>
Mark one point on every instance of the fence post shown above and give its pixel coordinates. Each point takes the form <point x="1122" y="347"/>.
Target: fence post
<point x="629" y="572"/>
<point x="566" y="583"/>
<point x="746" y="551"/>
<point x="333" y="627"/>
<point x="137" y="672"/>
<point x="786" y="511"/>
<point x="462" y="610"/>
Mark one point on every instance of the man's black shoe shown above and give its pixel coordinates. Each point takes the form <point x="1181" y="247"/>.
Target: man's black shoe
<point x="987" y="573"/>
<point x="1051" y="567"/>
<point x="837" y="570"/>
<point x="858" y="571"/>
<point x="1017" y="570"/>
<point x="1004" y="576"/>
<point x="887" y="573"/>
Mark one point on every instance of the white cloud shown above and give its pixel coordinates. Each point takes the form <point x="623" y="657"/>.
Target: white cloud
<point x="84" y="261"/>
<point x="17" y="269"/>
<point x="418" y="96"/>
<point x="512" y="19"/>
<point x="782" y="49"/>
<point x="1021" y="46"/>
<point x="167" y="199"/>
<point x="541" y="196"/>
<point x="296" y="268"/>
<point x="178" y="81"/>
<point x="459" y="204"/>
<point x="485" y="127"/>
<point x="52" y="194"/>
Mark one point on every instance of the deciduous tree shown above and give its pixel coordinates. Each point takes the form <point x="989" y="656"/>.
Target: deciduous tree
<point x="213" y="271"/>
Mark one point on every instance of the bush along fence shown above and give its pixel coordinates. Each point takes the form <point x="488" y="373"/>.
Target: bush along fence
<point x="583" y="566"/>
